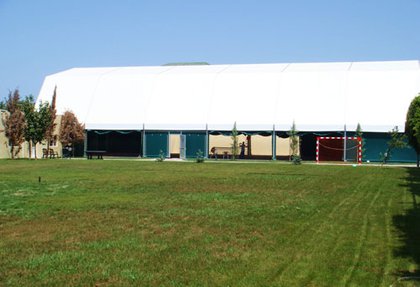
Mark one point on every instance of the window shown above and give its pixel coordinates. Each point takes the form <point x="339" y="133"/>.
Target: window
<point x="53" y="141"/>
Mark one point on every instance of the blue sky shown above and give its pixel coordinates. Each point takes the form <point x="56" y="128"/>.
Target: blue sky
<point x="42" y="37"/>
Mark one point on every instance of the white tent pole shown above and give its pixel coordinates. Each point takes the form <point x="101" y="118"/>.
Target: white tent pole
<point x="144" y="141"/>
<point x="273" y="143"/>
<point x="206" y="153"/>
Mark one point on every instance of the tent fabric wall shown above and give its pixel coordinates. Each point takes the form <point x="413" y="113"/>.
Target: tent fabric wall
<point x="317" y="96"/>
<point x="195" y="142"/>
<point x="155" y="143"/>
<point x="376" y="143"/>
<point x="321" y="98"/>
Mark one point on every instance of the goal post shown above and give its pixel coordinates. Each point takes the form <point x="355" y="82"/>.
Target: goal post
<point x="332" y="149"/>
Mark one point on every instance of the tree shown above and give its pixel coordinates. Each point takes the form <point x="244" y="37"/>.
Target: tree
<point x="14" y="123"/>
<point x="44" y="120"/>
<point x="71" y="131"/>
<point x="412" y="126"/>
<point x="49" y="135"/>
<point x="28" y="108"/>
<point x="235" y="145"/>
<point x="294" y="144"/>
<point x="37" y="121"/>
<point x="359" y="134"/>
<point x="397" y="141"/>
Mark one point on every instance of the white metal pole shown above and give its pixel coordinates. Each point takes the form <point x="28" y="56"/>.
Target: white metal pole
<point x="273" y="143"/>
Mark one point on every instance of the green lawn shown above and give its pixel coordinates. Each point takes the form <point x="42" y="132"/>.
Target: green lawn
<point x="123" y="223"/>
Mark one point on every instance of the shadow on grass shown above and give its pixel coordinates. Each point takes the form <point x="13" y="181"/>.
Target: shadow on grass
<point x="409" y="226"/>
<point x="282" y="174"/>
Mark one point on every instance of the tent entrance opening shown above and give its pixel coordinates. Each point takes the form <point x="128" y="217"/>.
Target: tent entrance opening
<point x="177" y="144"/>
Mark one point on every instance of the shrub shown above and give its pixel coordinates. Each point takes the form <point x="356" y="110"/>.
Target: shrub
<point x="200" y="156"/>
<point x="161" y="157"/>
<point x="296" y="159"/>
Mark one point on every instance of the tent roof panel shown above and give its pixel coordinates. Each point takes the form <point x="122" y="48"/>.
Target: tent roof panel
<point x="317" y="96"/>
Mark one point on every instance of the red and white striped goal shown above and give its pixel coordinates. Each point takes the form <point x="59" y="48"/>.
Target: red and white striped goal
<point x="332" y="148"/>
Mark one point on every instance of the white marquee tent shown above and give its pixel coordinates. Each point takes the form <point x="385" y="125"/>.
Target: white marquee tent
<point x="317" y="96"/>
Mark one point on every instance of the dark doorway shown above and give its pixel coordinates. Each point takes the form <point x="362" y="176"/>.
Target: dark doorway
<point x="115" y="143"/>
<point x="308" y="147"/>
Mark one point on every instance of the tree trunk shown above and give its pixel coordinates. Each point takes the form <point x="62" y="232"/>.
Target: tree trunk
<point x="48" y="148"/>
<point x="35" y="150"/>
<point x="29" y="149"/>
<point x="12" y="152"/>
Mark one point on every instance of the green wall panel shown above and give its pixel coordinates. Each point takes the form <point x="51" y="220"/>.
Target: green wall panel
<point x="376" y="143"/>
<point x="195" y="142"/>
<point x="156" y="142"/>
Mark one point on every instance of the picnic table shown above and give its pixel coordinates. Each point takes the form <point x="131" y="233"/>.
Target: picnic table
<point x="224" y="151"/>
<point x="91" y="153"/>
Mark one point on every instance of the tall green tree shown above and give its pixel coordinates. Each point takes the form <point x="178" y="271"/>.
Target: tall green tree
<point x="235" y="142"/>
<point x="359" y="133"/>
<point x="28" y="108"/>
<point x="49" y="135"/>
<point x="37" y="122"/>
<point x="294" y="144"/>
<point x="15" y="123"/>
<point x="412" y="126"/>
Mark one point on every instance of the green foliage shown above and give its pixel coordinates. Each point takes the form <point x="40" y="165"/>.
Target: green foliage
<point x="28" y="108"/>
<point x="359" y="133"/>
<point x="2" y="105"/>
<point x="37" y="121"/>
<point x="50" y="128"/>
<point x="200" y="156"/>
<point x="44" y="120"/>
<point x="398" y="140"/>
<point x="235" y="142"/>
<point x="412" y="125"/>
<point x="294" y="144"/>
<point x="296" y="159"/>
<point x="161" y="157"/>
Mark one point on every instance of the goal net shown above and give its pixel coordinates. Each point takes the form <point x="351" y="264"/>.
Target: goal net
<point x="339" y="149"/>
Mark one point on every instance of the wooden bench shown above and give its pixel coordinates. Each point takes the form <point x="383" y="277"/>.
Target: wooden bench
<point x="53" y="153"/>
<point x="224" y="151"/>
<point x="99" y="153"/>
<point x="44" y="153"/>
<point x="49" y="153"/>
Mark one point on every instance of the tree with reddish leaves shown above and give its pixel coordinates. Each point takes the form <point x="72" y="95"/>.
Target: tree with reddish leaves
<point x="71" y="131"/>
<point x="14" y="123"/>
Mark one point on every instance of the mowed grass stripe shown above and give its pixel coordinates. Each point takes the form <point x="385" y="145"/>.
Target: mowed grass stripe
<point x="362" y="239"/>
<point x="327" y="232"/>
<point x="113" y="223"/>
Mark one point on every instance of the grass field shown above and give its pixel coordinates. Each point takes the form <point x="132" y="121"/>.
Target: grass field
<point x="124" y="223"/>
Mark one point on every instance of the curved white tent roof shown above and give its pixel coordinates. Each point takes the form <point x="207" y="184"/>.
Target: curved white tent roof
<point x="317" y="96"/>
